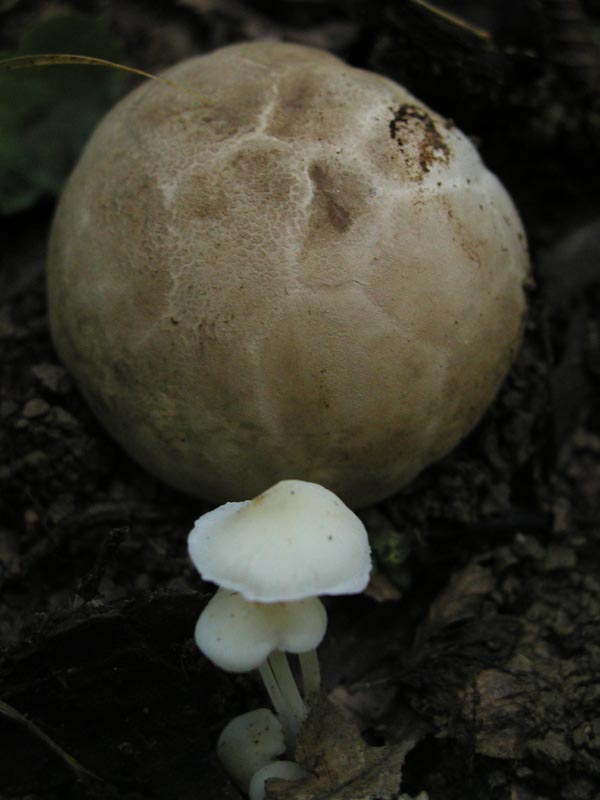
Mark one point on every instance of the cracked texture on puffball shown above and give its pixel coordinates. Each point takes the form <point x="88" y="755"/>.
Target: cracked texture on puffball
<point x="313" y="275"/>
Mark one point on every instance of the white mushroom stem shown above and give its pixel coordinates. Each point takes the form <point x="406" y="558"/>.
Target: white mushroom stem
<point x="311" y="673"/>
<point x="288" y="720"/>
<point x="287" y="684"/>
<point x="284" y="770"/>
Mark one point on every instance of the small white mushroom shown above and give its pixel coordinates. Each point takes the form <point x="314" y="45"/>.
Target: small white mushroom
<point x="238" y="635"/>
<point x="295" y="540"/>
<point x="248" y="743"/>
<point x="284" y="770"/>
<point x="272" y="557"/>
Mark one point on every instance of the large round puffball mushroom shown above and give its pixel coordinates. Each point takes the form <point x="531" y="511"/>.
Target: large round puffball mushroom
<point x="272" y="557"/>
<point x="311" y="274"/>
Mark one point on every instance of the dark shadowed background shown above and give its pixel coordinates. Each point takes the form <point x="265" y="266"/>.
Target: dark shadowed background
<point x="481" y="628"/>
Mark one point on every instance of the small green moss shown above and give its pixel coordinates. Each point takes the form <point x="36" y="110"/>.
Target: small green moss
<point x="391" y="549"/>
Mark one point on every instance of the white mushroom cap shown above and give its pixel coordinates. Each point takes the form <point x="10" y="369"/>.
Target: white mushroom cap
<point x="238" y="635"/>
<point x="248" y="743"/>
<point x="293" y="541"/>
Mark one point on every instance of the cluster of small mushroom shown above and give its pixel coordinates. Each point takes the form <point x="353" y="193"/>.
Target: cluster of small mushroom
<point x="272" y="557"/>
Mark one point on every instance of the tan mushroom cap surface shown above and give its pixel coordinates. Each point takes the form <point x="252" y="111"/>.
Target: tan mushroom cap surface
<point x="294" y="541"/>
<point x="313" y="275"/>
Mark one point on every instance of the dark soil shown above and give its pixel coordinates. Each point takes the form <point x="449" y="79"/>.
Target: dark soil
<point x="483" y="625"/>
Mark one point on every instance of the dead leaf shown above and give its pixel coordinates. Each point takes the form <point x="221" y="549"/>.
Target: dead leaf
<point x="462" y="597"/>
<point x="342" y="765"/>
<point x="494" y="700"/>
<point x="381" y="588"/>
<point x="368" y="702"/>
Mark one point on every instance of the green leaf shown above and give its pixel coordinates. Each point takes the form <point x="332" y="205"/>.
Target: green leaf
<point x="47" y="113"/>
